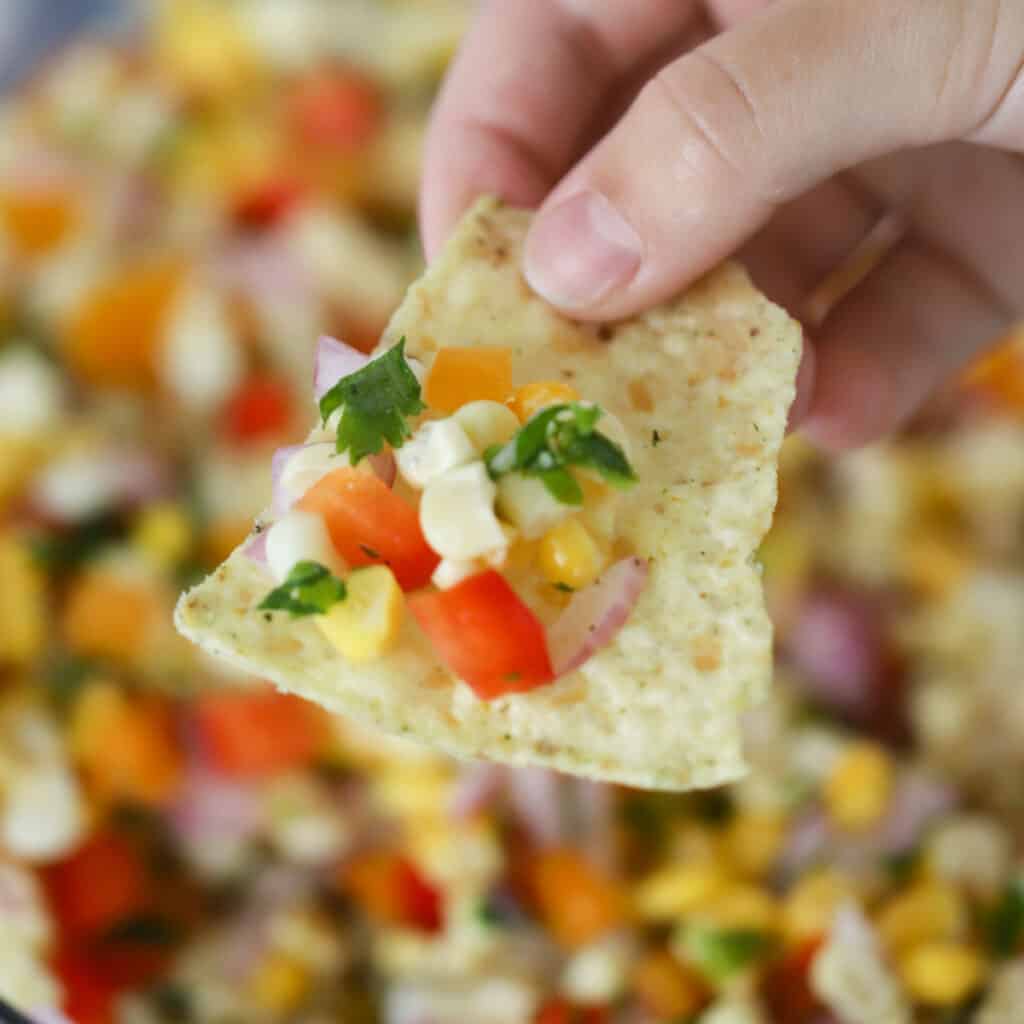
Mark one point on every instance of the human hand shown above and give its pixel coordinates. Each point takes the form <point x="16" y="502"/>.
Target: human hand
<point x="660" y="136"/>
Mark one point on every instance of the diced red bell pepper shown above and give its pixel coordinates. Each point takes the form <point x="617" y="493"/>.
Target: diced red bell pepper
<point x="104" y="881"/>
<point x="420" y="901"/>
<point x="369" y="523"/>
<point x="260" y="733"/>
<point x="268" y="203"/>
<point x="88" y="996"/>
<point x="338" y="110"/>
<point x="561" y="1011"/>
<point x="260" y="409"/>
<point x="391" y="890"/>
<point x="486" y="635"/>
<point x="786" y="986"/>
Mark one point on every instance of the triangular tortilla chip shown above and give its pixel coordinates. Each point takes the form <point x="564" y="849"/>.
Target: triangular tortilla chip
<point x="703" y="385"/>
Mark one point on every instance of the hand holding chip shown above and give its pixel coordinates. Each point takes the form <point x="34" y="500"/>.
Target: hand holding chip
<point x="659" y="136"/>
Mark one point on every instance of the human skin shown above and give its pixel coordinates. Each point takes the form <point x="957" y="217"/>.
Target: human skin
<point x="657" y="137"/>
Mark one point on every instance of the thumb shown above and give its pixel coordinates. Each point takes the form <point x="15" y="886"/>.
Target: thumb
<point x="756" y="116"/>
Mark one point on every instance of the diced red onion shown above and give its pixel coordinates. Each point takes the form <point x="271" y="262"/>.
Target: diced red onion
<point x="593" y="805"/>
<point x="916" y="801"/>
<point x="535" y="796"/>
<point x="334" y="360"/>
<point x="79" y="486"/>
<point x="807" y="841"/>
<point x="212" y="808"/>
<point x="477" y="788"/>
<point x="837" y="646"/>
<point x="256" y="547"/>
<point x="596" y="614"/>
<point x="265" y="267"/>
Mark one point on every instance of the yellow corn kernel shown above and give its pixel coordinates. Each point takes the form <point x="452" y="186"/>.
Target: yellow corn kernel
<point x="811" y="904"/>
<point x="934" y="564"/>
<point x="942" y="973"/>
<point x="22" y="603"/>
<point x="280" y="984"/>
<point x="667" y="988"/>
<point x="858" y="790"/>
<point x="677" y="890"/>
<point x="19" y="457"/>
<point x="929" y="911"/>
<point x="570" y="556"/>
<point x="202" y="46"/>
<point x="163" y="533"/>
<point x="366" y="623"/>
<point x="752" y="841"/>
<point x="743" y="907"/>
<point x="531" y="398"/>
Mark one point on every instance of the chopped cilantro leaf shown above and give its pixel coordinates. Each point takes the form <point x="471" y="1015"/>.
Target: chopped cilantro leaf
<point x="720" y="953"/>
<point x="1005" y="923"/>
<point x="375" y="404"/>
<point x="310" y="589"/>
<point x="555" y="439"/>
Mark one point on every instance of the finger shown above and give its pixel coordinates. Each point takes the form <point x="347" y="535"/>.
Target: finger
<point x="963" y="199"/>
<point x="807" y="239"/>
<point x="523" y="92"/>
<point x="751" y="119"/>
<point x="918" y="318"/>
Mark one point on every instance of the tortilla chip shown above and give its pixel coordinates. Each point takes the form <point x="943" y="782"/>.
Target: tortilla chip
<point x="703" y="385"/>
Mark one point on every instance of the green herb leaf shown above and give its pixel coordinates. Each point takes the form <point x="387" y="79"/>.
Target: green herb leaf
<point x="310" y="589"/>
<point x="554" y="440"/>
<point x="376" y="403"/>
<point x="720" y="953"/>
<point x="1005" y="924"/>
<point x="562" y="485"/>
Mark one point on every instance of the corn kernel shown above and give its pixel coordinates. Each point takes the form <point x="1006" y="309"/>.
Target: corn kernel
<point x="858" y="790"/>
<point x="22" y="603"/>
<point x="934" y="564"/>
<point x="930" y="911"/>
<point x="942" y="973"/>
<point x="367" y="622"/>
<point x="280" y="984"/>
<point x="678" y="890"/>
<point x="744" y="908"/>
<point x="164" y="533"/>
<point x="811" y="904"/>
<point x="570" y="556"/>
<point x="667" y="988"/>
<point x="531" y="398"/>
<point x="752" y="842"/>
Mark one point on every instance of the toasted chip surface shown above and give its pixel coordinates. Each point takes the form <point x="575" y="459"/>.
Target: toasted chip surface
<point x="703" y="385"/>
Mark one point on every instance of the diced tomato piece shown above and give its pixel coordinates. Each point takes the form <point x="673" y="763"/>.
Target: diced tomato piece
<point x="786" y="987"/>
<point x="369" y="523"/>
<point x="101" y="883"/>
<point x="88" y="997"/>
<point x="561" y="1011"/>
<point x="420" y="901"/>
<point x="261" y="408"/>
<point x="339" y="110"/>
<point x="486" y="635"/>
<point x="390" y="888"/>
<point x="252" y="735"/>
<point x="268" y="203"/>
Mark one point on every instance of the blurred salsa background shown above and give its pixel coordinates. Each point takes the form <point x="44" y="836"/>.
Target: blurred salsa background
<point x="192" y="192"/>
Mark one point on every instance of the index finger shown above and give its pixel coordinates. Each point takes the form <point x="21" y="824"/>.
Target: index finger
<point x="524" y="93"/>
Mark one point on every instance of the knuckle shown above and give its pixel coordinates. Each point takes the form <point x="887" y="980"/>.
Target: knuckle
<point x="720" y="124"/>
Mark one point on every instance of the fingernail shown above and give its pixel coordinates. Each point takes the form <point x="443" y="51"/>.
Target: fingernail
<point x="581" y="250"/>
